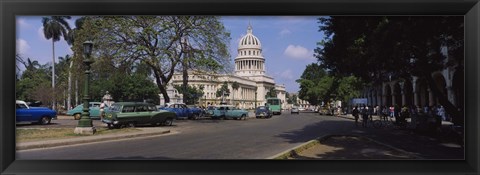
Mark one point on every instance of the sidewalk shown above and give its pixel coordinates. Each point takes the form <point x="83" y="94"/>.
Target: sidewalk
<point x="372" y="143"/>
<point x="147" y="131"/>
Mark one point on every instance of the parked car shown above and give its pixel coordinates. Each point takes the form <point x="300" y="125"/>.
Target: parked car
<point x="27" y="114"/>
<point x="94" y="110"/>
<point x="130" y="114"/>
<point x="182" y="111"/>
<point x="226" y="112"/>
<point x="263" y="112"/>
<point x="325" y="111"/>
<point x="294" y="110"/>
<point x="301" y="109"/>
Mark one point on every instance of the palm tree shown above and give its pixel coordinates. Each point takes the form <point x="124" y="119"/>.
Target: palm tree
<point x="55" y="27"/>
<point x="70" y="41"/>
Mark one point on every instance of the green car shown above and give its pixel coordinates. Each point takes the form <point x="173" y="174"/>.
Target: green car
<point x="226" y="112"/>
<point x="94" y="110"/>
<point x="130" y="114"/>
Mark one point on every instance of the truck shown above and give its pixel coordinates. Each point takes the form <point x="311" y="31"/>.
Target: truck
<point x="27" y="114"/>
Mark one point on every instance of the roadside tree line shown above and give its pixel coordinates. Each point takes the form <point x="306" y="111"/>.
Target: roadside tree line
<point x="376" y="49"/>
<point x="135" y="57"/>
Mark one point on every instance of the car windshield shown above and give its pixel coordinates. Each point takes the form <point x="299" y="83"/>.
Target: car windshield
<point x="115" y="108"/>
<point x="211" y="108"/>
<point x="21" y="106"/>
<point x="261" y="108"/>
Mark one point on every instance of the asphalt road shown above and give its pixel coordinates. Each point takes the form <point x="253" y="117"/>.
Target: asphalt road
<point x="204" y="139"/>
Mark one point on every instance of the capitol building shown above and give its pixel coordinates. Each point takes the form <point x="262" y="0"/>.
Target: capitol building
<point x="250" y="74"/>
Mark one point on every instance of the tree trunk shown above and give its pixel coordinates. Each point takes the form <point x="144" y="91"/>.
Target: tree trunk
<point x="69" y="95"/>
<point x="53" y="76"/>
<point x="185" y="81"/>
<point x="161" y="87"/>
<point x="76" y="91"/>
<point x="452" y="110"/>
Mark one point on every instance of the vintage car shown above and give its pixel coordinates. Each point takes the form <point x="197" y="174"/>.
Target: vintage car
<point x="27" y="114"/>
<point x="94" y="110"/>
<point x="182" y="111"/>
<point x="226" y="112"/>
<point x="130" y="114"/>
<point x="263" y="112"/>
<point x="294" y="110"/>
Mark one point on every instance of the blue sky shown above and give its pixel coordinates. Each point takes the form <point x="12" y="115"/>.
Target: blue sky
<point x="287" y="42"/>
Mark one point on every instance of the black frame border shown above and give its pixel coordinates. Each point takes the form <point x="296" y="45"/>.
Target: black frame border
<point x="10" y="8"/>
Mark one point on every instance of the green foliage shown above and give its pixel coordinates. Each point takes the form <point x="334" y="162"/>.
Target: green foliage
<point x="379" y="48"/>
<point x="316" y="86"/>
<point x="271" y="92"/>
<point x="223" y="90"/>
<point x="164" y="43"/>
<point x="193" y="93"/>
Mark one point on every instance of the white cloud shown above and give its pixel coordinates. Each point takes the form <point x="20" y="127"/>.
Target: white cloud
<point x="285" y="32"/>
<point x="298" y="52"/>
<point x="287" y="74"/>
<point x="21" y="23"/>
<point x="22" y="46"/>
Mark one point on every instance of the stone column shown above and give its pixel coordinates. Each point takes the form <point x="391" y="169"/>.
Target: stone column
<point x="430" y="97"/>
<point x="402" y="91"/>
<point x="451" y="95"/>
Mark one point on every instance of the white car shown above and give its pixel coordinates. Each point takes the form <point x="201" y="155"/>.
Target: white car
<point x="301" y="109"/>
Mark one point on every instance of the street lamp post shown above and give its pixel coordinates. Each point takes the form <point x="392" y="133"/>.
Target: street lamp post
<point x="255" y="99"/>
<point x="85" y="125"/>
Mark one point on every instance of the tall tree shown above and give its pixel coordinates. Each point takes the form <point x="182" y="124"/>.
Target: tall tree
<point x="379" y="48"/>
<point x="72" y="35"/>
<point x="54" y="27"/>
<point x="157" y="42"/>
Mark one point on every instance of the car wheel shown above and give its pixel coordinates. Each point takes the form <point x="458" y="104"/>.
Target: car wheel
<point x="131" y="125"/>
<point x="110" y="126"/>
<point x="77" y="116"/>
<point x="195" y="116"/>
<point x="45" y="120"/>
<point x="168" y="122"/>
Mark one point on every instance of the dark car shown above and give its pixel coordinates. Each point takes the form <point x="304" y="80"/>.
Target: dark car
<point x="122" y="114"/>
<point x="28" y="114"/>
<point x="182" y="111"/>
<point x="263" y="112"/>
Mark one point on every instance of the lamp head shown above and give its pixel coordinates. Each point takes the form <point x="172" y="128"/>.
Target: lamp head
<point x="87" y="48"/>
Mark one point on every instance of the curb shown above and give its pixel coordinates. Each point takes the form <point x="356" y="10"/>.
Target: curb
<point x="299" y="148"/>
<point x="65" y="142"/>
<point x="294" y="151"/>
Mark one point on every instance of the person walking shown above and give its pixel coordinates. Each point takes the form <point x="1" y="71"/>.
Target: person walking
<point x="364" y="116"/>
<point x="102" y="110"/>
<point x="355" y="113"/>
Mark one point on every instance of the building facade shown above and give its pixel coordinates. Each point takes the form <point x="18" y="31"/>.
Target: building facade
<point x="250" y="74"/>
<point x="415" y="91"/>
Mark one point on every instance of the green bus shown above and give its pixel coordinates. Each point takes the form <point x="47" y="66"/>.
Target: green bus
<point x="275" y="105"/>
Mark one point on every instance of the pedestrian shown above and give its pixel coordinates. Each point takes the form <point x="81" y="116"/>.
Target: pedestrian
<point x="355" y="113"/>
<point x="102" y="110"/>
<point x="392" y="111"/>
<point x="364" y="116"/>
<point x="370" y="113"/>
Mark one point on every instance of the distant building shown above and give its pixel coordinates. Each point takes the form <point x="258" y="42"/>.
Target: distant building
<point x="249" y="73"/>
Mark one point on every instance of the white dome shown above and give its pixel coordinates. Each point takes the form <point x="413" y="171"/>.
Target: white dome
<point x="249" y="40"/>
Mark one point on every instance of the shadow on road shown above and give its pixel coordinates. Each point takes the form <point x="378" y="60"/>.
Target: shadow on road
<point x="421" y="145"/>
